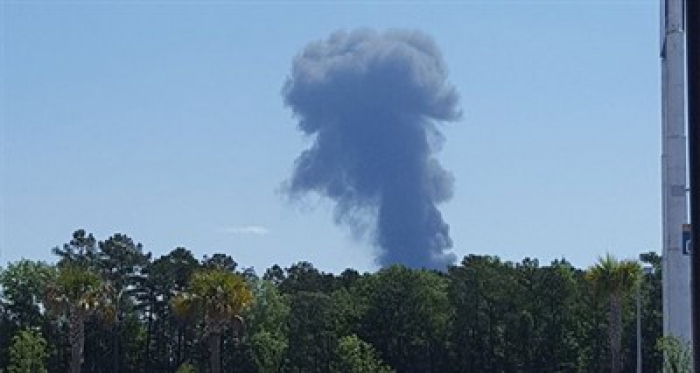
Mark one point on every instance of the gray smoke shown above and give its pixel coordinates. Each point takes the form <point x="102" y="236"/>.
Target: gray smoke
<point x="372" y="100"/>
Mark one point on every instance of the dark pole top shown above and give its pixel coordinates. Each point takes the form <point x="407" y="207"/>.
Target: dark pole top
<point x="692" y="8"/>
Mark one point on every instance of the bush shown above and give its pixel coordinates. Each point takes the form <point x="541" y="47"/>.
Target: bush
<point x="677" y="358"/>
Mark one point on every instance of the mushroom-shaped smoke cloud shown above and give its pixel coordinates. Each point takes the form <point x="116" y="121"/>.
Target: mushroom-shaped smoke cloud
<point x="372" y="100"/>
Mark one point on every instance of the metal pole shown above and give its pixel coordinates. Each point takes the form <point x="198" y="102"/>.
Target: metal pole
<point x="676" y="263"/>
<point x="693" y="76"/>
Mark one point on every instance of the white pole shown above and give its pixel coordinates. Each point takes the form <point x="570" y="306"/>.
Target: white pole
<point x="676" y="262"/>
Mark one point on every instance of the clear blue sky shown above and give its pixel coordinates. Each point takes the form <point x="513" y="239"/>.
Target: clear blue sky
<point x="164" y="121"/>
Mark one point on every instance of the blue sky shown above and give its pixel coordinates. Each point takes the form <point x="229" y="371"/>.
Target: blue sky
<point x="164" y="121"/>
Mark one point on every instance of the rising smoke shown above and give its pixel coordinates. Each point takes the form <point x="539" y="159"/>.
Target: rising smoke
<point x="372" y="100"/>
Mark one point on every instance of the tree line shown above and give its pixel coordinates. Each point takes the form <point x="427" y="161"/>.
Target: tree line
<point x="110" y="306"/>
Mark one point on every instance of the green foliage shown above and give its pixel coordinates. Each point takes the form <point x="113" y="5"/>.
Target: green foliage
<point x="78" y="289"/>
<point x="23" y="286"/>
<point x="407" y="318"/>
<point x="75" y="295"/>
<point x="28" y="353"/>
<point x="357" y="356"/>
<point x="162" y="280"/>
<point x="612" y="276"/>
<point x="652" y="312"/>
<point x="613" y="280"/>
<point x="119" y="261"/>
<point x="677" y="356"/>
<point x="269" y="350"/>
<point x="220" y="260"/>
<point x="216" y="294"/>
<point x="270" y="309"/>
<point x="312" y="334"/>
<point x="186" y="368"/>
<point x="175" y="313"/>
<point x="268" y="326"/>
<point x="80" y="251"/>
<point x="303" y="276"/>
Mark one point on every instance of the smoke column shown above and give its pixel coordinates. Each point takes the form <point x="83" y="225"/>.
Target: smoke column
<point x="371" y="101"/>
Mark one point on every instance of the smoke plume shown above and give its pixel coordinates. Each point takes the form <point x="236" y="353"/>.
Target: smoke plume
<point x="371" y="101"/>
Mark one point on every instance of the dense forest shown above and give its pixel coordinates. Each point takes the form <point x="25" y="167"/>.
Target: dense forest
<point x="110" y="306"/>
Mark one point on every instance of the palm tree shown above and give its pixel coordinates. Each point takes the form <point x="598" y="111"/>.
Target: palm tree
<point x="218" y="296"/>
<point x="76" y="293"/>
<point x="613" y="279"/>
